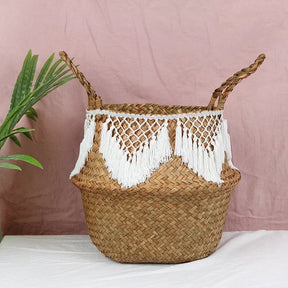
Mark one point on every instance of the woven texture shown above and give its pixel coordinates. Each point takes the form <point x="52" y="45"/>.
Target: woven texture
<point x="175" y="215"/>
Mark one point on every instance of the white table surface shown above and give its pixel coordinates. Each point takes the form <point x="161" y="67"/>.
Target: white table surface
<point x="243" y="259"/>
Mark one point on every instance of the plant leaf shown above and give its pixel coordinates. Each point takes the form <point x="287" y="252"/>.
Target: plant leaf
<point x="9" y="166"/>
<point x="49" y="78"/>
<point x="16" y="96"/>
<point x="32" y="114"/>
<point x="26" y="158"/>
<point x="63" y="67"/>
<point x="28" y="135"/>
<point x="15" y="140"/>
<point x="29" y="75"/>
<point x="18" y="130"/>
<point x="52" y="69"/>
<point x="43" y="71"/>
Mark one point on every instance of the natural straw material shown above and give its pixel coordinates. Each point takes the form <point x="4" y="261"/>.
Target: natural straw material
<point x="175" y="215"/>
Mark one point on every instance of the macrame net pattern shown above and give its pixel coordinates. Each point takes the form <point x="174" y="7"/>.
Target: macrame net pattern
<point x="133" y="134"/>
<point x="200" y="142"/>
<point x="202" y="130"/>
<point x="133" y="146"/>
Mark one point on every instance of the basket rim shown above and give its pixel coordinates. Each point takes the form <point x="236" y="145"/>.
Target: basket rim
<point x="168" y="111"/>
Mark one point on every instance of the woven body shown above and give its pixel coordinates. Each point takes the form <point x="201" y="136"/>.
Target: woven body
<point x="174" y="215"/>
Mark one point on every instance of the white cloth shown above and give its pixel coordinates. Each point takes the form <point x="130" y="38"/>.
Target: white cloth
<point x="243" y="259"/>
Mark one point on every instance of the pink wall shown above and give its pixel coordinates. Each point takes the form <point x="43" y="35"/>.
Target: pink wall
<point x="174" y="52"/>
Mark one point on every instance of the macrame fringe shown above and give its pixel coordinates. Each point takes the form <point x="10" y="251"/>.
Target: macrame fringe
<point x="86" y="144"/>
<point x="227" y="144"/>
<point x="201" y="160"/>
<point x="204" y="161"/>
<point x="132" y="169"/>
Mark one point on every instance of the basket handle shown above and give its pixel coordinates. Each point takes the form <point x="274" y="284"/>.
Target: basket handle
<point x="227" y="87"/>
<point x="94" y="100"/>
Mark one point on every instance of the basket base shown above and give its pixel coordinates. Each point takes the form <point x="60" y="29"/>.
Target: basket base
<point x="178" y="218"/>
<point x="141" y="228"/>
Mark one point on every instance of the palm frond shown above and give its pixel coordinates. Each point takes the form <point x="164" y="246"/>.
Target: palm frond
<point x="43" y="71"/>
<point x="29" y="76"/>
<point x="18" y="89"/>
<point x="16" y="131"/>
<point x="25" y="95"/>
<point x="8" y="165"/>
<point x="32" y="114"/>
<point x="20" y="157"/>
<point x="15" y="140"/>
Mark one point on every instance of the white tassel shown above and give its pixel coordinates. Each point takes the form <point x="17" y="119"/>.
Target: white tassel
<point x="227" y="144"/>
<point x="86" y="144"/>
<point x="178" y="139"/>
<point x="194" y="158"/>
<point x="141" y="164"/>
<point x="201" y="160"/>
<point x="206" y="165"/>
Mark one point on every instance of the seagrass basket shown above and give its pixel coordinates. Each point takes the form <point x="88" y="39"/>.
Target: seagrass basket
<point x="156" y="180"/>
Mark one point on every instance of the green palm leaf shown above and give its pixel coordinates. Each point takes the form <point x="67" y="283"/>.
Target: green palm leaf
<point x="9" y="166"/>
<point x="32" y="114"/>
<point x="20" y="157"/>
<point x="18" y="90"/>
<point x="43" y="71"/>
<point x="25" y="95"/>
<point x="29" y="75"/>
<point x="15" y="140"/>
<point x="15" y="131"/>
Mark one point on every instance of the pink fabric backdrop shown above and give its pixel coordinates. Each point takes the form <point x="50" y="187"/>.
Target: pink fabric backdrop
<point x="167" y="52"/>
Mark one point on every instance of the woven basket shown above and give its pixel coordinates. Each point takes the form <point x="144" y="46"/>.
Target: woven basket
<point x="156" y="180"/>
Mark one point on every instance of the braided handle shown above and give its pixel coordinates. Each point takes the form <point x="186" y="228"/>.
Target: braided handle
<point x="94" y="101"/>
<point x="227" y="87"/>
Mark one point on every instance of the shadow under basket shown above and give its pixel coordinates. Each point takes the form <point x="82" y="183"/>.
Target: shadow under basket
<point x="169" y="208"/>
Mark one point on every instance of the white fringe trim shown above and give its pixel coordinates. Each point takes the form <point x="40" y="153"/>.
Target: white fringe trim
<point x="141" y="164"/>
<point x="86" y="144"/>
<point x="131" y="169"/>
<point x="201" y="160"/>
